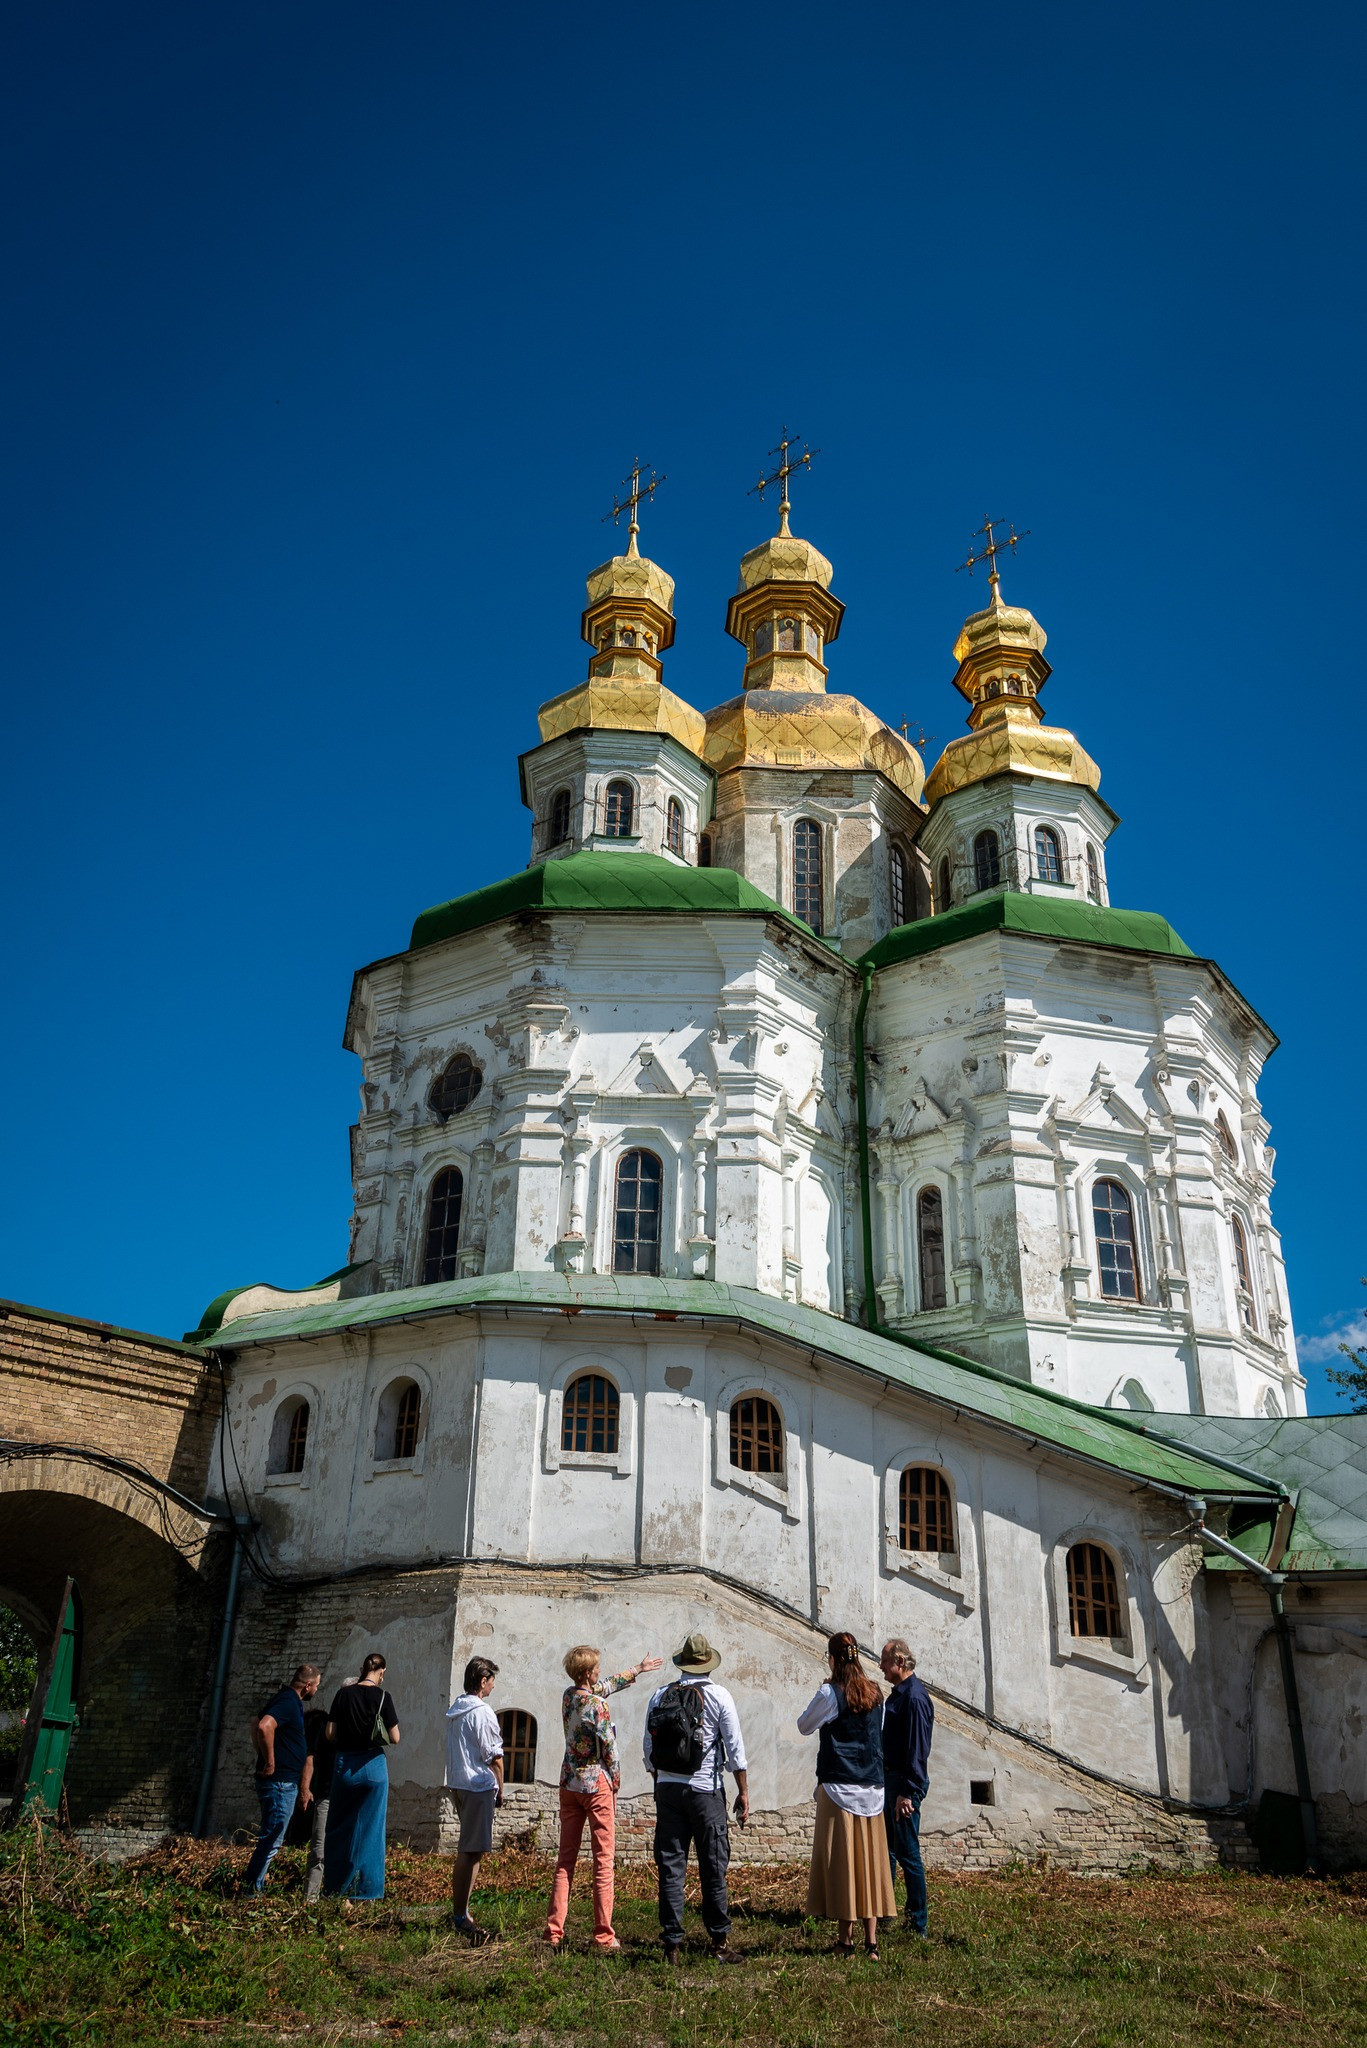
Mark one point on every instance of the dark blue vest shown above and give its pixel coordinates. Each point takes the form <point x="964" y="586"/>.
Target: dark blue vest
<point x="851" y="1751"/>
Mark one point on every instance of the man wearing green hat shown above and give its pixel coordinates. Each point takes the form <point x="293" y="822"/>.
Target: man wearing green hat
<point x="693" y="1736"/>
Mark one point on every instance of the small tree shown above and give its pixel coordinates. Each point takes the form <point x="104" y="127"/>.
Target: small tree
<point x="1351" y="1380"/>
<point x="18" y="1664"/>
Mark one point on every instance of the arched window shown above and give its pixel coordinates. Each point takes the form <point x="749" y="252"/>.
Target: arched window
<point x="518" y="1729"/>
<point x="1113" y="1219"/>
<point x="1093" y="874"/>
<point x="619" y="811"/>
<point x="636" y="1221"/>
<point x="289" y="1445"/>
<point x="807" y="890"/>
<point x="756" y="1436"/>
<point x="397" y="1421"/>
<point x="987" y="860"/>
<point x="1093" y="1592"/>
<point x="559" y="830"/>
<point x="589" y="1414"/>
<point x="456" y="1086"/>
<point x="946" y="887"/>
<point x="1048" y="854"/>
<point x="1226" y="1138"/>
<point x="897" y="866"/>
<point x="1272" y="1407"/>
<point x="925" y="1510"/>
<point x="674" y="826"/>
<point x="705" y="850"/>
<point x="1242" y="1272"/>
<point x="930" y="1246"/>
<point x="443" y="1226"/>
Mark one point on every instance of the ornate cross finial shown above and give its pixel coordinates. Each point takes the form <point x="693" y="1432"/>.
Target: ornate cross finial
<point x="639" y="494"/>
<point x="990" y="552"/>
<point x="781" y="475"/>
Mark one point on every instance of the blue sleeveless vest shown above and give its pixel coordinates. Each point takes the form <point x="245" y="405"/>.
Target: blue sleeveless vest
<point x="851" y="1748"/>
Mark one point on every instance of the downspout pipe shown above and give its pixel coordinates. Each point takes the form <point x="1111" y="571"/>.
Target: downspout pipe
<point x="861" y="1097"/>
<point x="1281" y="1628"/>
<point x="209" y="1761"/>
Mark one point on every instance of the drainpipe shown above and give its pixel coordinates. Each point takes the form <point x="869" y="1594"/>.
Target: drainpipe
<point x="861" y="1098"/>
<point x="216" y="1697"/>
<point x="1274" y="1581"/>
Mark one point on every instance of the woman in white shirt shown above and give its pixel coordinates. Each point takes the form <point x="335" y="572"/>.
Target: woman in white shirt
<point x="849" y="1879"/>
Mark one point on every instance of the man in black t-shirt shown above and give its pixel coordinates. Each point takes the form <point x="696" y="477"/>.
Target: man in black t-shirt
<point x="284" y="1767"/>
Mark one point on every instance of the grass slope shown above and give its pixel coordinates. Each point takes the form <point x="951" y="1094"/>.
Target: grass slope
<point x="163" y="1951"/>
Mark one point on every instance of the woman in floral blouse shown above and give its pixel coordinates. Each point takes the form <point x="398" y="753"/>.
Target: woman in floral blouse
<point x="589" y="1780"/>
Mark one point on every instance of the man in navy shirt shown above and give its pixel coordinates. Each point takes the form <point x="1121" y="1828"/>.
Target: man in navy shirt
<point x="283" y="1768"/>
<point x="908" y="1726"/>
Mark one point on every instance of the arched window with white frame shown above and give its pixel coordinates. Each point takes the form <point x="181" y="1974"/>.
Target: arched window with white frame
<point x="398" y="1422"/>
<point x="289" y="1444"/>
<point x="808" y="881"/>
<point x="636" y="1218"/>
<point x="444" y="1205"/>
<point x="899" y="881"/>
<point x="619" y="810"/>
<point x="1224" y="1137"/>
<point x="1094" y="1593"/>
<point x="1117" y="1251"/>
<point x="1243" y="1274"/>
<point x="1093" y="873"/>
<point x="558" y="828"/>
<point x="674" y="826"/>
<point x="590" y="1415"/>
<point x="1048" y="854"/>
<point x="930" y="1247"/>
<point x="925" y="1510"/>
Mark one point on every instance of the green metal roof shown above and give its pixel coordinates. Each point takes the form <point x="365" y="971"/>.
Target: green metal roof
<point x="1322" y="1457"/>
<point x="1052" y="917"/>
<point x="1051" y="1420"/>
<point x="642" y="883"/>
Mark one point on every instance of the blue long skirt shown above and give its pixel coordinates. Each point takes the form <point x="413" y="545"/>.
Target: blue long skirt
<point x="353" y="1848"/>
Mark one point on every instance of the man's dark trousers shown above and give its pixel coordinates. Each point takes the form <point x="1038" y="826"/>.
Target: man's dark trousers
<point x="683" y="1816"/>
<point x="904" y="1847"/>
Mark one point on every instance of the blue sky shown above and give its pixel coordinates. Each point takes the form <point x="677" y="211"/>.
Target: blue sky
<point x="331" y="329"/>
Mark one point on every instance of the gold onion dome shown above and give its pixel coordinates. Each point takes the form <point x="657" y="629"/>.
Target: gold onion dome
<point x="785" y="617"/>
<point x="1001" y="671"/>
<point x="628" y="622"/>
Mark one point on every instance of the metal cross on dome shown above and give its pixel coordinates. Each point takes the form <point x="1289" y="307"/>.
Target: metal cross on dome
<point x="990" y="552"/>
<point x="638" y="495"/>
<point x="782" y="473"/>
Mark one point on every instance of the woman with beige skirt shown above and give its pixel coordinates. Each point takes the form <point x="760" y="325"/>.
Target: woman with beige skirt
<point x="850" y="1879"/>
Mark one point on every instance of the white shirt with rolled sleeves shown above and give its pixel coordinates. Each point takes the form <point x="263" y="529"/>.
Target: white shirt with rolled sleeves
<point x="472" y="1742"/>
<point x="723" y="1746"/>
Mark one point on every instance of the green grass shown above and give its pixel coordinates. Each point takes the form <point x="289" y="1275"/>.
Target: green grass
<point x="165" y="1951"/>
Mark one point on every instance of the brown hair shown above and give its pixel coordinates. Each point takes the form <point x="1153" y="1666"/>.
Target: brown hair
<point x="849" y="1676"/>
<point x="477" y="1670"/>
<point x="374" y="1662"/>
<point x="305" y="1673"/>
<point x="580" y="1661"/>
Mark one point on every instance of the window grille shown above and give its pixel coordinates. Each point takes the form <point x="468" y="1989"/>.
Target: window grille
<point x="925" y="1510"/>
<point x="930" y="1246"/>
<point x="898" y="866"/>
<point x="636" y="1225"/>
<point x="1113" y="1219"/>
<point x="674" y="826"/>
<point x="1048" y="855"/>
<point x="560" y="818"/>
<point x="619" y="811"/>
<point x="1093" y="874"/>
<point x="518" y="1729"/>
<point x="807" y="889"/>
<point x="756" y="1436"/>
<point x="456" y="1086"/>
<point x="946" y="887"/>
<point x="406" y="1420"/>
<point x="987" y="860"/>
<point x="297" y="1442"/>
<point x="589" y="1415"/>
<point x="705" y="850"/>
<point x="443" y="1226"/>
<point x="1093" y="1592"/>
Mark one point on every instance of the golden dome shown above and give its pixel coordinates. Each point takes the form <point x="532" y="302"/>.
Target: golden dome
<point x="1001" y="671"/>
<point x="626" y="704"/>
<point x="808" y="729"/>
<point x="631" y="580"/>
<point x="784" y="559"/>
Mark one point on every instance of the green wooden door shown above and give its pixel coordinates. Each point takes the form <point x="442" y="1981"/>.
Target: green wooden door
<point x="52" y="1716"/>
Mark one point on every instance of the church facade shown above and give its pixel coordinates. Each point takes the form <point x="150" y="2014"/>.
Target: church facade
<point x="800" y="1199"/>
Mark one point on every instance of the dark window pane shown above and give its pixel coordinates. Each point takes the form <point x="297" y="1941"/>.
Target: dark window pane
<point x="1093" y="1592"/>
<point x="619" y="810"/>
<point x="1048" y="857"/>
<point x="589" y="1415"/>
<point x="518" y="1729"/>
<point x="560" y="818"/>
<point x="925" y="1510"/>
<point x="406" y="1422"/>
<point x="930" y="1245"/>
<point x="456" y="1086"/>
<point x="756" y="1436"/>
<point x="705" y="850"/>
<point x="674" y="826"/>
<point x="443" y="1226"/>
<point x="899" y="886"/>
<point x="946" y="890"/>
<point x="636" y="1224"/>
<point x="296" y="1447"/>
<point x="987" y="860"/>
<point x="807" y="889"/>
<point x="1113" y="1220"/>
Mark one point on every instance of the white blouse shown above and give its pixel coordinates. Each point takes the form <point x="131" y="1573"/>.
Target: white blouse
<point x="864" y="1800"/>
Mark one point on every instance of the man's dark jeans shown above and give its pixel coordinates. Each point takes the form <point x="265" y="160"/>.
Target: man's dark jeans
<point x="277" y="1797"/>
<point x="683" y="1816"/>
<point x="904" y="1847"/>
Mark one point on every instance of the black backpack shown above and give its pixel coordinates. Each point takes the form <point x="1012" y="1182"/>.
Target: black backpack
<point x="675" y="1725"/>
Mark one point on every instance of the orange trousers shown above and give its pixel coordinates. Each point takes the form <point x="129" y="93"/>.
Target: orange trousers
<point x="599" y="1809"/>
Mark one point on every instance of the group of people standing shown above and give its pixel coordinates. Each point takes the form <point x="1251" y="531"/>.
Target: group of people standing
<point x="872" y="1773"/>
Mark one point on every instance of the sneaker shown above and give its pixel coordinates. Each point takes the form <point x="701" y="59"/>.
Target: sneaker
<point x="474" y="1934"/>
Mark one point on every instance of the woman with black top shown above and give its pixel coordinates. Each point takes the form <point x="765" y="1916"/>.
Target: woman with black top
<point x="849" y="1878"/>
<point x="362" y="1724"/>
